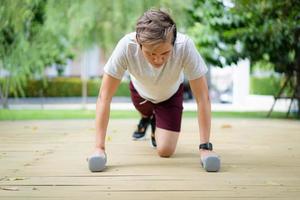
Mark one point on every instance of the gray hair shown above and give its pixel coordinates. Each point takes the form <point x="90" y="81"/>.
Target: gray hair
<point x="155" y="26"/>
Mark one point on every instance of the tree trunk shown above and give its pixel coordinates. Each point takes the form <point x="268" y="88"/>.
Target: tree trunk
<point x="5" y="103"/>
<point x="298" y="84"/>
<point x="297" y="69"/>
<point x="4" y="93"/>
<point x="298" y="92"/>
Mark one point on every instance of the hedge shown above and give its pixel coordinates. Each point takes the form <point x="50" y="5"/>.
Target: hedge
<point x="72" y="87"/>
<point x="268" y="86"/>
<point x="67" y="87"/>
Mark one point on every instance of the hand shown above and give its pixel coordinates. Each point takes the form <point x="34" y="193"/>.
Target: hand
<point x="100" y="151"/>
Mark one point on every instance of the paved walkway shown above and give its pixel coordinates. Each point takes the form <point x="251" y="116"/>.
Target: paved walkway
<point x="252" y="103"/>
<point x="46" y="160"/>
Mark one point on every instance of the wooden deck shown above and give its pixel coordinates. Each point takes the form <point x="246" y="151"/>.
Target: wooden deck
<point x="46" y="160"/>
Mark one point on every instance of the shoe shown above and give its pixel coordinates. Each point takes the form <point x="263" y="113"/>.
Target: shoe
<point x="153" y="127"/>
<point x="140" y="133"/>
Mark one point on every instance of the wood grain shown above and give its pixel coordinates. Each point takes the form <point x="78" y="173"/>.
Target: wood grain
<point x="47" y="160"/>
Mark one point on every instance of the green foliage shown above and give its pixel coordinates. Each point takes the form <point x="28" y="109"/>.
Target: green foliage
<point x="27" y="46"/>
<point x="265" y="86"/>
<point x="204" y="16"/>
<point x="86" y="22"/>
<point x="117" y="114"/>
<point x="37" y="33"/>
<point x="56" y="87"/>
<point x="67" y="87"/>
<point x="259" y="30"/>
<point x="123" y="90"/>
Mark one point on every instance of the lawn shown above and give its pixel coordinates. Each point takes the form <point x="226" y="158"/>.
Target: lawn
<point x="115" y="114"/>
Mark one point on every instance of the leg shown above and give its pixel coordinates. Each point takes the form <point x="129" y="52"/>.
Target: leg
<point x="168" y="123"/>
<point x="166" y="142"/>
<point x="145" y="108"/>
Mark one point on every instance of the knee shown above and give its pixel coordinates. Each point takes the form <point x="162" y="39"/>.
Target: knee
<point x="165" y="152"/>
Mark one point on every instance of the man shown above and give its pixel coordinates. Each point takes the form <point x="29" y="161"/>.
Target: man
<point x="157" y="58"/>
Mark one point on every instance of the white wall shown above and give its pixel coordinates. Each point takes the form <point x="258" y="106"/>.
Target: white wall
<point x="241" y="82"/>
<point x="92" y="59"/>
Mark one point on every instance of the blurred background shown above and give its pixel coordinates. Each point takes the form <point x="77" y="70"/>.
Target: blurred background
<point x="53" y="51"/>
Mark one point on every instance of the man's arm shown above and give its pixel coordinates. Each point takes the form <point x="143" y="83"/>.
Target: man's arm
<point x="200" y="92"/>
<point x="108" y="88"/>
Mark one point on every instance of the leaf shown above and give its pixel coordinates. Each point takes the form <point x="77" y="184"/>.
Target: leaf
<point x="226" y="126"/>
<point x="108" y="139"/>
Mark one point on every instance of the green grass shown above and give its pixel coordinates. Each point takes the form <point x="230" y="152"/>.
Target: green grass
<point x="89" y="114"/>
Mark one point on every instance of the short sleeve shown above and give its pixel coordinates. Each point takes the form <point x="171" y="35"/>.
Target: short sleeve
<point x="194" y="65"/>
<point x="117" y="63"/>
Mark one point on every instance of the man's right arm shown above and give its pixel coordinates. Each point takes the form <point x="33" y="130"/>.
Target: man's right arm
<point x="107" y="90"/>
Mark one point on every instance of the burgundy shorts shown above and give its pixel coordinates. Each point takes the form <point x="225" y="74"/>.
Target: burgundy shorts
<point x="167" y="113"/>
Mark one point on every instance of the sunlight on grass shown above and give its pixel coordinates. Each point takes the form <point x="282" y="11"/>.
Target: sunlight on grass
<point x="90" y="114"/>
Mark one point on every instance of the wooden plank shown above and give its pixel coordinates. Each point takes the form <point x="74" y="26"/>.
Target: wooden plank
<point x="46" y="160"/>
<point x="66" y="192"/>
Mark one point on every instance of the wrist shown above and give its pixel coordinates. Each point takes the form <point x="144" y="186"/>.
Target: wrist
<point x="99" y="143"/>
<point x="206" y="146"/>
<point x="100" y="147"/>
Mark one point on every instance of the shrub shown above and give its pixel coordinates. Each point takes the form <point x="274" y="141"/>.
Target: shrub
<point x="268" y="85"/>
<point x="67" y="87"/>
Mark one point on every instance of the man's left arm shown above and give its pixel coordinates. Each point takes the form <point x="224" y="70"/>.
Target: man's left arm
<point x="200" y="91"/>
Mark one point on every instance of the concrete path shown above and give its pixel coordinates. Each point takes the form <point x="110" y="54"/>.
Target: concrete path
<point x="46" y="160"/>
<point x="251" y="103"/>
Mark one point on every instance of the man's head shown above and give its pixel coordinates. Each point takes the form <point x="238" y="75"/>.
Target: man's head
<point x="156" y="34"/>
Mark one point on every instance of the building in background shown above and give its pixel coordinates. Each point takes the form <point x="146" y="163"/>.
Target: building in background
<point x="90" y="63"/>
<point x="227" y="85"/>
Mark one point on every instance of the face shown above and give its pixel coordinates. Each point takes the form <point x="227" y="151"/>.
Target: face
<point x="158" y="54"/>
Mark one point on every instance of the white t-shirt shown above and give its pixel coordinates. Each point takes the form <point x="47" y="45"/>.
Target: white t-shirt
<point x="156" y="85"/>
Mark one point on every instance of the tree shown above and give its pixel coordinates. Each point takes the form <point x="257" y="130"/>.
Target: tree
<point x="89" y="22"/>
<point x="27" y="47"/>
<point x="261" y="30"/>
<point x="37" y="33"/>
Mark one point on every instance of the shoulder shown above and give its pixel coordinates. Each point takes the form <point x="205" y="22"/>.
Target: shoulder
<point x="129" y="39"/>
<point x="128" y="43"/>
<point x="183" y="43"/>
<point x="182" y="39"/>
